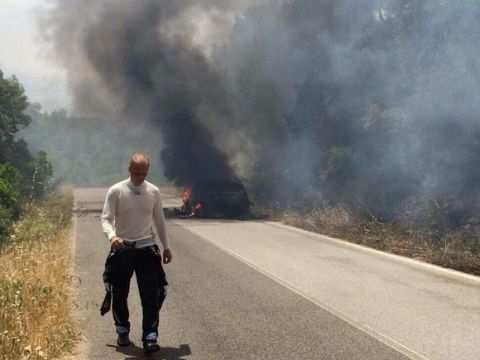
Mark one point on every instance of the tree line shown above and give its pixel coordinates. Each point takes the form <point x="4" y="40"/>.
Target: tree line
<point x="89" y="151"/>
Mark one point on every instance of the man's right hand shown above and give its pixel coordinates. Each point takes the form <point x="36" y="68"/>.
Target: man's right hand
<point x="116" y="242"/>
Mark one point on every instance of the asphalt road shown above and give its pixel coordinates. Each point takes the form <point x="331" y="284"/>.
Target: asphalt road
<point x="254" y="290"/>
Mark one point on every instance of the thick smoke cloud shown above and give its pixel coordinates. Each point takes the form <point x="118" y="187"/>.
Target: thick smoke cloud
<point x="140" y="61"/>
<point x="369" y="103"/>
<point x="373" y="104"/>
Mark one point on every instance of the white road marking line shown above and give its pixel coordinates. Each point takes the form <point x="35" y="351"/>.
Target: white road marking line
<point x="338" y="313"/>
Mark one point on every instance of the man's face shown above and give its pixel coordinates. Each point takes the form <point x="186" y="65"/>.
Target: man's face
<point x="138" y="172"/>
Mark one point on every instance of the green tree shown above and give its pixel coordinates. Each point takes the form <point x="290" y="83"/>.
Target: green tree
<point x="13" y="102"/>
<point x="23" y="176"/>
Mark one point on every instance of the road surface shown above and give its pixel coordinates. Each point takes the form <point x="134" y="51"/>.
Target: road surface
<point x="260" y="290"/>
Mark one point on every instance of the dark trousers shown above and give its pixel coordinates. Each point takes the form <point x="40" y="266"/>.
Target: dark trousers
<point x="146" y="263"/>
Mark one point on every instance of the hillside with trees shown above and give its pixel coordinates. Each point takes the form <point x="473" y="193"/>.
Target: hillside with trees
<point x="90" y="152"/>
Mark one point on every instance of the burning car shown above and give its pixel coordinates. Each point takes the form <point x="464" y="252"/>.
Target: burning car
<point x="217" y="198"/>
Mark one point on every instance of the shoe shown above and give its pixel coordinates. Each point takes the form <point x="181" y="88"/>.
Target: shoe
<point x="150" y="346"/>
<point x="123" y="340"/>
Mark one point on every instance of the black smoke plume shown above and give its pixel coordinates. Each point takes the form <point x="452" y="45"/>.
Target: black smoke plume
<point x="148" y="73"/>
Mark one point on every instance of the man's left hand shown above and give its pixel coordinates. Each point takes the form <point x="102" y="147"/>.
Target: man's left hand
<point x="167" y="256"/>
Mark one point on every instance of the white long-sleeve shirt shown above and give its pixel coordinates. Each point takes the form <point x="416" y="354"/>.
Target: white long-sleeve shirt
<point x="131" y="212"/>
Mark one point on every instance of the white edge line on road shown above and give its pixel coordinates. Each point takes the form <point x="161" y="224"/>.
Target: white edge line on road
<point x="436" y="269"/>
<point x="343" y="316"/>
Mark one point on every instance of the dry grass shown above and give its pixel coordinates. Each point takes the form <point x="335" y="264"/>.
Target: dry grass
<point x="453" y="250"/>
<point x="35" y="294"/>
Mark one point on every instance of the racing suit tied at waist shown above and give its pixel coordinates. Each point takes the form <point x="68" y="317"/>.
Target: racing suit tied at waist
<point x="140" y="243"/>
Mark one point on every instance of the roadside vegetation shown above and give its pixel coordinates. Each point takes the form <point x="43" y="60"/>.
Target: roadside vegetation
<point x="35" y="293"/>
<point x="35" y="298"/>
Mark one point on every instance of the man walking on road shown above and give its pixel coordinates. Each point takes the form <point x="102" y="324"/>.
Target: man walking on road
<point x="132" y="210"/>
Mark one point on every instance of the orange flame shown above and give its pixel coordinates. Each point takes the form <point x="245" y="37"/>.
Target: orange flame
<point x="187" y="208"/>
<point x="186" y="194"/>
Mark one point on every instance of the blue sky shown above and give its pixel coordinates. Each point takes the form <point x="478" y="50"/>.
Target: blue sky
<point x="25" y="55"/>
